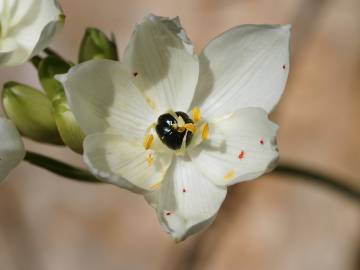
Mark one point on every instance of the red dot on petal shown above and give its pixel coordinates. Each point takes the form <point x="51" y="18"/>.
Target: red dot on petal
<point x="261" y="141"/>
<point x="241" y="154"/>
<point x="184" y="190"/>
<point x="167" y="213"/>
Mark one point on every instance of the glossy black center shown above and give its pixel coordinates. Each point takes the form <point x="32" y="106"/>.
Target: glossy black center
<point x="166" y="129"/>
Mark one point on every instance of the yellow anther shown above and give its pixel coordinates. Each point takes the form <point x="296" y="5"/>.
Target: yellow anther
<point x="148" y="141"/>
<point x="196" y="114"/>
<point x="230" y="175"/>
<point x="205" y="132"/>
<point x="190" y="127"/>
<point x="150" y="159"/>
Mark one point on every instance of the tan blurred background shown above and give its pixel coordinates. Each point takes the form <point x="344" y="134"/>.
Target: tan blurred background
<point x="275" y="223"/>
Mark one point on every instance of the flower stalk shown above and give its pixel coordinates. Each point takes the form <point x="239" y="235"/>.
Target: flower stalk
<point x="59" y="167"/>
<point x="304" y="174"/>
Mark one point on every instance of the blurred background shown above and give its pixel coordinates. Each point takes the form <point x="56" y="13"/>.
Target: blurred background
<point x="277" y="222"/>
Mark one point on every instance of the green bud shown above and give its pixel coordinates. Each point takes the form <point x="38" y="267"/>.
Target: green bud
<point x="96" y="45"/>
<point x="47" y="69"/>
<point x="31" y="111"/>
<point x="69" y="129"/>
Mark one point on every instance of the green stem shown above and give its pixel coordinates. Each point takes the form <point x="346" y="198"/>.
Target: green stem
<point x="66" y="170"/>
<point x="35" y="60"/>
<point x="51" y="52"/>
<point x="319" y="178"/>
<point x="59" y="167"/>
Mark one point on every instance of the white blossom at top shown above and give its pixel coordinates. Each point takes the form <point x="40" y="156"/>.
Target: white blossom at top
<point x="26" y="28"/>
<point x="227" y="91"/>
<point x="12" y="149"/>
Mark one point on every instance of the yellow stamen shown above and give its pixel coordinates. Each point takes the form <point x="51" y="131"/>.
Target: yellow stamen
<point x="190" y="127"/>
<point x="205" y="132"/>
<point x="230" y="175"/>
<point x="196" y="114"/>
<point x="148" y="141"/>
<point x="150" y="159"/>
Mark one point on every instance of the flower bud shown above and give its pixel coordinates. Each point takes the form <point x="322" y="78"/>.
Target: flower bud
<point x="69" y="129"/>
<point x="31" y="111"/>
<point x="96" y="45"/>
<point x="47" y="69"/>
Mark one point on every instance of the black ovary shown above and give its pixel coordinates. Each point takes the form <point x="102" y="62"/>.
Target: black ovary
<point x="169" y="135"/>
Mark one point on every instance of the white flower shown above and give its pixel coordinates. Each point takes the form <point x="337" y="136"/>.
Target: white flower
<point x="227" y="92"/>
<point x="12" y="149"/>
<point x="26" y="27"/>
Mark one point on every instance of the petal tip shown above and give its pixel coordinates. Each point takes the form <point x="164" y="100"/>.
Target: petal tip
<point x="61" y="77"/>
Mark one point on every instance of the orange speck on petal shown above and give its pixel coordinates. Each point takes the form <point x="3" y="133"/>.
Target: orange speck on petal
<point x="241" y="154"/>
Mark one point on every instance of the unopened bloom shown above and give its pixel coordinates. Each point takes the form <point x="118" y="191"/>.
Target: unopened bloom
<point x="177" y="127"/>
<point x="26" y="28"/>
<point x="31" y="111"/>
<point x="12" y="149"/>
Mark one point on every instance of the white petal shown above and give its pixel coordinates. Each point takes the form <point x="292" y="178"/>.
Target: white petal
<point x="246" y="66"/>
<point x="126" y="164"/>
<point x="160" y="55"/>
<point x="12" y="149"/>
<point x="187" y="201"/>
<point x="248" y="150"/>
<point x="102" y="95"/>
<point x="31" y="24"/>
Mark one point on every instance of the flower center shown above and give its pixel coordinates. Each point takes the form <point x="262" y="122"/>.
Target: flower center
<point x="175" y="129"/>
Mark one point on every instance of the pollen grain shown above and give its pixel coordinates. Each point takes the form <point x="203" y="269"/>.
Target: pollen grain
<point x="230" y="175"/>
<point x="156" y="186"/>
<point x="150" y="160"/>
